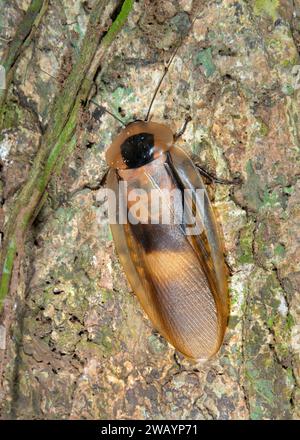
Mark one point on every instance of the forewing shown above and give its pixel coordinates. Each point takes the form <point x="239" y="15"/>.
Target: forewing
<point x="129" y="256"/>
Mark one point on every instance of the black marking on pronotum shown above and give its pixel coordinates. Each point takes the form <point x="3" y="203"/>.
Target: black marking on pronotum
<point x="138" y="150"/>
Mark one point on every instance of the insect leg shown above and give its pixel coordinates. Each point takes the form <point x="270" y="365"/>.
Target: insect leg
<point x="183" y="128"/>
<point x="213" y="178"/>
<point x="99" y="184"/>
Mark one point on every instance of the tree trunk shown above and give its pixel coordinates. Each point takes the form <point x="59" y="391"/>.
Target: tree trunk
<point x="74" y="342"/>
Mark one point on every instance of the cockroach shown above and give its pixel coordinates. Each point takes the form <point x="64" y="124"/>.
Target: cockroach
<point x="179" y="279"/>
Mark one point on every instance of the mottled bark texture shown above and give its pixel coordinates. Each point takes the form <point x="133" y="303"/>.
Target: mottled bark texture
<point x="74" y="342"/>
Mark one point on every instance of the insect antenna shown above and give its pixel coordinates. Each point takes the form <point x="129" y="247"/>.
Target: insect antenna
<point x="166" y="71"/>
<point x="160" y="82"/>
<point x="109" y="112"/>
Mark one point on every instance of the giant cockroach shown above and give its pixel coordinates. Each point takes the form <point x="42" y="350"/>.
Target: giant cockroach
<point x="180" y="280"/>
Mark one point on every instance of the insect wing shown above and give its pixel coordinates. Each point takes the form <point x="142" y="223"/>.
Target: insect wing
<point x="129" y="257"/>
<point x="208" y="244"/>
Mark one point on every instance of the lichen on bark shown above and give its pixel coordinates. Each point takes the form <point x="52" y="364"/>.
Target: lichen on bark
<point x="77" y="344"/>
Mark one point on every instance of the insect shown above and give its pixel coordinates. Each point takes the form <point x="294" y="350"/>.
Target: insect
<point x="179" y="279"/>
